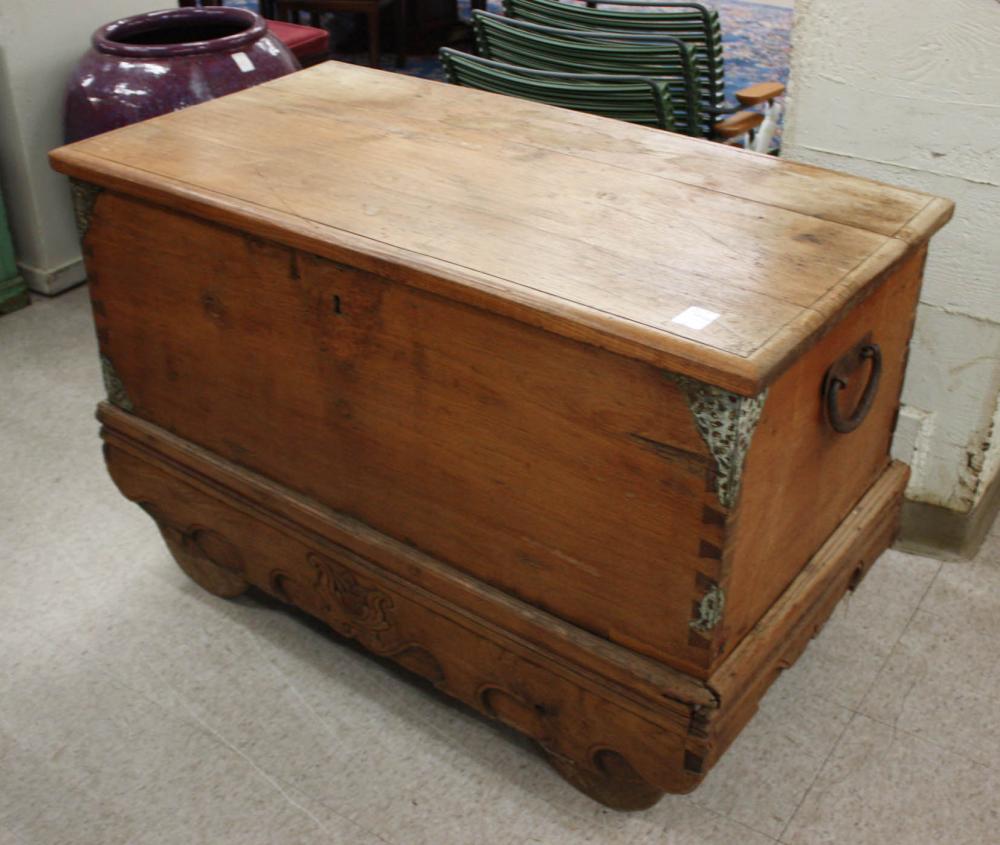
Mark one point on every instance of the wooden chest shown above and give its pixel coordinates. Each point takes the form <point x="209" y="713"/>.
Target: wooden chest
<point x="587" y="423"/>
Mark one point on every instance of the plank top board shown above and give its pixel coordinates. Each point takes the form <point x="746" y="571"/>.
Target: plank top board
<point x="700" y="258"/>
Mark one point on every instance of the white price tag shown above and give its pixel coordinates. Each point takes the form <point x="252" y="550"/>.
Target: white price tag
<point x="243" y="62"/>
<point x="695" y="318"/>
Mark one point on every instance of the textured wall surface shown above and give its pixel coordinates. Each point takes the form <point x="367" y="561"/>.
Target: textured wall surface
<point x="40" y="41"/>
<point x="909" y="93"/>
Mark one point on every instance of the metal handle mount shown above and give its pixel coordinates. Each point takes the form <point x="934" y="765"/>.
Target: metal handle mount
<point x="837" y="379"/>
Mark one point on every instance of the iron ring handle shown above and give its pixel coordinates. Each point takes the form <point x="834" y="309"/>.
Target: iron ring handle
<point x="836" y="383"/>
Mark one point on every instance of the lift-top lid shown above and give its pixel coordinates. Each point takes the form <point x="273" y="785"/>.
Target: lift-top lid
<point x="697" y="257"/>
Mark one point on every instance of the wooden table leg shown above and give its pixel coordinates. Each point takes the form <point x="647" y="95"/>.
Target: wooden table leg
<point x="400" y="33"/>
<point x="373" y="42"/>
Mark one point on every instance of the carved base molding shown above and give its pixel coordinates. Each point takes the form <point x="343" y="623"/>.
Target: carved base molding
<point x="620" y="727"/>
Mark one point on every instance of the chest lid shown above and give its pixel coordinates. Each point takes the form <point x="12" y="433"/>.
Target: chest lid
<point x="703" y="259"/>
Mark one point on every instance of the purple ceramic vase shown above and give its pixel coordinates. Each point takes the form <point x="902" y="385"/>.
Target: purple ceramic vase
<point x="159" y="62"/>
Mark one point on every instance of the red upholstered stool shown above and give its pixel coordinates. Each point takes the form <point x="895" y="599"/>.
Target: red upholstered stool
<point x="310" y="44"/>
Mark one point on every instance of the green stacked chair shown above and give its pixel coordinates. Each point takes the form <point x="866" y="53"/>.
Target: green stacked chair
<point x="633" y="98"/>
<point x="13" y="290"/>
<point x="530" y="45"/>
<point x="693" y="23"/>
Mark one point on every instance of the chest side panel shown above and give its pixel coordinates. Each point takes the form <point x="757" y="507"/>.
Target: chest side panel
<point x="559" y="472"/>
<point x="801" y="477"/>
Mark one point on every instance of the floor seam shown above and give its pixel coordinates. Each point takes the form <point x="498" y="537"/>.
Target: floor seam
<point x="819" y="771"/>
<point x="897" y="641"/>
<point x="335" y="811"/>
<point x="726" y="818"/>
<point x="856" y="711"/>
<point x="923" y="738"/>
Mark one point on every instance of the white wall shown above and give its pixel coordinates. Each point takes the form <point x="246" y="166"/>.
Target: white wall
<point x="40" y="41"/>
<point x="908" y="92"/>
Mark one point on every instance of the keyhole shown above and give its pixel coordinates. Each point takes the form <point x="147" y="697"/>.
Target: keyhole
<point x="336" y="304"/>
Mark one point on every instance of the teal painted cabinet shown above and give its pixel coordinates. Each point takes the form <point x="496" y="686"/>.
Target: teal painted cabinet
<point x="13" y="291"/>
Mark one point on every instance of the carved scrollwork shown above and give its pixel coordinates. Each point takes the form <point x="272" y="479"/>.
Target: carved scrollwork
<point x="364" y="611"/>
<point x="354" y="610"/>
<point x="367" y="607"/>
<point x="333" y="592"/>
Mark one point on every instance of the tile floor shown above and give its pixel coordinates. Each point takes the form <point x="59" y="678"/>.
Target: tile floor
<point x="135" y="708"/>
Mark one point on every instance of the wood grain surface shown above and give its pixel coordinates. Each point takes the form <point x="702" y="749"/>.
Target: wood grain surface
<point x="591" y="228"/>
<point x="570" y="477"/>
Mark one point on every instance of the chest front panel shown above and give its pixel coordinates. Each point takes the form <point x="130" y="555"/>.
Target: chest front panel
<point x="564" y="474"/>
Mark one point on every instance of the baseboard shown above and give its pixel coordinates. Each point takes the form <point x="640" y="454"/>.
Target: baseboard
<point x="56" y="280"/>
<point x="941" y="532"/>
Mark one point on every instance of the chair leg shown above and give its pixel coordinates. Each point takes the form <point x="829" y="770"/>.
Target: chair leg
<point x="401" y="33"/>
<point x="373" y="46"/>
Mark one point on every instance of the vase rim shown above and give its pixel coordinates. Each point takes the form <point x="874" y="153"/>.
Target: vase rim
<point x="110" y="37"/>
